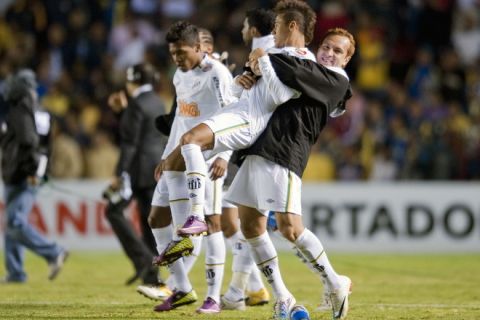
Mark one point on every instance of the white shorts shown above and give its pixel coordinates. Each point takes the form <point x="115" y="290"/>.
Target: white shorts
<point x="266" y="186"/>
<point x="225" y="203"/>
<point x="231" y="129"/>
<point x="213" y="194"/>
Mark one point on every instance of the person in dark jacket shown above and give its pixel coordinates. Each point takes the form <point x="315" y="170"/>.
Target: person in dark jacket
<point x="24" y="163"/>
<point x="141" y="147"/>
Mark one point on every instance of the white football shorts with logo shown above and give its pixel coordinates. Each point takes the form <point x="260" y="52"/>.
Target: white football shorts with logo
<point x="232" y="128"/>
<point x="213" y="194"/>
<point x="266" y="186"/>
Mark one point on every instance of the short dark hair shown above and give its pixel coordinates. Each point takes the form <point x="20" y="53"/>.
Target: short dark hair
<point x="300" y="12"/>
<point x="142" y="73"/>
<point x="183" y="31"/>
<point x="262" y="19"/>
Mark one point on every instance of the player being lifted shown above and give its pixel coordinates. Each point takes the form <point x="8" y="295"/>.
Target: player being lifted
<point x="257" y="33"/>
<point x="236" y="126"/>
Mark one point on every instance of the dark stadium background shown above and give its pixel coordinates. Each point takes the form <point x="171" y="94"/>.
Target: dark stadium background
<point x="414" y="115"/>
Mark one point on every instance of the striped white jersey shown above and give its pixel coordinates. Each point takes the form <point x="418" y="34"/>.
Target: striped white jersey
<point x="201" y="92"/>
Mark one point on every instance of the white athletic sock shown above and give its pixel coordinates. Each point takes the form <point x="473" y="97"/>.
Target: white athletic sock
<point x="265" y="257"/>
<point x="242" y="267"/>
<point x="179" y="275"/>
<point x="312" y="249"/>
<point x="214" y="264"/>
<point x="162" y="236"/>
<point x="255" y="282"/>
<point x="236" y="288"/>
<point x="196" y="172"/>
<point x="179" y="206"/>
<point x="178" y="197"/>
<point x="190" y="260"/>
<point x="243" y="263"/>
<point x="234" y="238"/>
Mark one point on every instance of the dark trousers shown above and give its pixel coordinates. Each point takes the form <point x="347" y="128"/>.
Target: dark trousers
<point x="140" y="250"/>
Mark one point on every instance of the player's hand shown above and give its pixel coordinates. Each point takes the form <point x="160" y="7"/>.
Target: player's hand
<point x="255" y="54"/>
<point x="158" y="170"/>
<point x="116" y="183"/>
<point x="218" y="168"/>
<point x="253" y="60"/>
<point x="246" y="80"/>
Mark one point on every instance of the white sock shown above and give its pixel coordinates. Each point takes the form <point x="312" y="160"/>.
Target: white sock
<point x="179" y="275"/>
<point x="255" y="282"/>
<point x="179" y="207"/>
<point x="196" y="172"/>
<point x="214" y="264"/>
<point x="312" y="249"/>
<point x="265" y="257"/>
<point x="242" y="267"/>
<point x="236" y="288"/>
<point x="190" y="260"/>
<point x="162" y="236"/>
<point x="234" y="238"/>
<point x="178" y="197"/>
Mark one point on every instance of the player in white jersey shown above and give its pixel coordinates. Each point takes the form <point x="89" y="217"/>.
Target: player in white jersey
<point x="256" y="33"/>
<point x="202" y="88"/>
<point x="280" y="155"/>
<point x="235" y="127"/>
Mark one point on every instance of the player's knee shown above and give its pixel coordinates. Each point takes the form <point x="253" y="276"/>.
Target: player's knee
<point x="228" y="230"/>
<point x="213" y="223"/>
<point x="159" y="218"/>
<point x="288" y="232"/>
<point x="188" y="138"/>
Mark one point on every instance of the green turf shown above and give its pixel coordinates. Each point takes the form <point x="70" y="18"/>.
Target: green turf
<point x="385" y="287"/>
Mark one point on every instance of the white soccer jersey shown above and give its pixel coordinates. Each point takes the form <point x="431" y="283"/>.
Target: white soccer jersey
<point x="238" y="125"/>
<point x="201" y="92"/>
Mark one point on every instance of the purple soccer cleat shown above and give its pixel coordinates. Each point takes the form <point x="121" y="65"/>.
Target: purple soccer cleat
<point x="193" y="227"/>
<point x="177" y="299"/>
<point x="174" y="251"/>
<point x="209" y="306"/>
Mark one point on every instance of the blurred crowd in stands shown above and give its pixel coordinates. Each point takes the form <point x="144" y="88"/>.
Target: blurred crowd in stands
<point x="415" y="114"/>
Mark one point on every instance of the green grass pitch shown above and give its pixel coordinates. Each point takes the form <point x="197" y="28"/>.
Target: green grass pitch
<point x="384" y="287"/>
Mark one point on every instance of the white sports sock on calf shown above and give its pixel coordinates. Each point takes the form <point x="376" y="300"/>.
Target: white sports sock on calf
<point x="196" y="172"/>
<point x="178" y="197"/>
<point x="255" y="282"/>
<point x="312" y="249"/>
<point x="214" y="264"/>
<point x="242" y="267"/>
<point x="236" y="289"/>
<point x="189" y="261"/>
<point x="234" y="238"/>
<point x="265" y="257"/>
<point x="162" y="236"/>
<point x="179" y="275"/>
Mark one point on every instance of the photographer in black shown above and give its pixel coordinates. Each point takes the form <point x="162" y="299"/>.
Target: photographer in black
<point x="141" y="147"/>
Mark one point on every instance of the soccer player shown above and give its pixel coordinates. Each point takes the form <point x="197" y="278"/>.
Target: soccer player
<point x="281" y="153"/>
<point x="257" y="33"/>
<point x="202" y="88"/>
<point x="237" y="126"/>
